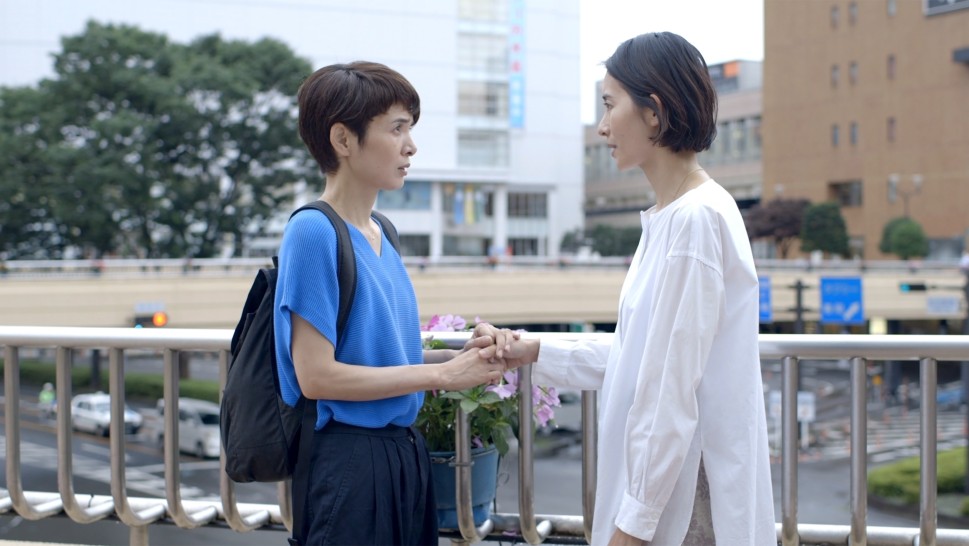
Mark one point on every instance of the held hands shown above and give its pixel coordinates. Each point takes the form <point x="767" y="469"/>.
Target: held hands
<point x="510" y="349"/>
<point x="470" y="369"/>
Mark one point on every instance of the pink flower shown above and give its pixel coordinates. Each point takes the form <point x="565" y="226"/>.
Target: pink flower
<point x="543" y="415"/>
<point x="504" y="390"/>
<point x="446" y="323"/>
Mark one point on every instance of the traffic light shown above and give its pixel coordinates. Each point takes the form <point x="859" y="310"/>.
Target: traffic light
<point x="912" y="286"/>
<point x="154" y="320"/>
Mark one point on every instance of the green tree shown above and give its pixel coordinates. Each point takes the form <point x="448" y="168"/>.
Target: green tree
<point x="824" y="229"/>
<point x="885" y="245"/>
<point x="779" y="220"/>
<point x="907" y="240"/>
<point x="142" y="146"/>
<point x="612" y="241"/>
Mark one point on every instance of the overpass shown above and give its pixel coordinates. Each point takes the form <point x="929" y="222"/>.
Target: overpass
<point x="210" y="293"/>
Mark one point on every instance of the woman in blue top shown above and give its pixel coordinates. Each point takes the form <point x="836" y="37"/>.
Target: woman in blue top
<point x="369" y="475"/>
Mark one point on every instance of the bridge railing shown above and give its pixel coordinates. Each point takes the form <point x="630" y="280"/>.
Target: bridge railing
<point x="140" y="513"/>
<point x="170" y="267"/>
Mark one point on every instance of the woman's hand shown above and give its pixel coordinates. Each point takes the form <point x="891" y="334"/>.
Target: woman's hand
<point x="485" y="334"/>
<point x="620" y="538"/>
<point x="470" y="369"/>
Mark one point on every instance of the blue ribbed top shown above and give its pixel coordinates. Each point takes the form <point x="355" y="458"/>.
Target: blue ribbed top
<point x="383" y="327"/>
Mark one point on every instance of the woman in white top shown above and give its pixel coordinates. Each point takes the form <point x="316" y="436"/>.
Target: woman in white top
<point x="683" y="455"/>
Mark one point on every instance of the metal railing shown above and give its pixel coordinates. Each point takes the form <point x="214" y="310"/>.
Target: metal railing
<point x="139" y="513"/>
<point x="171" y="267"/>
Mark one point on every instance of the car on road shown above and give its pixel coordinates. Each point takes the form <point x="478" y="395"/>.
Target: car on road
<point x="950" y="397"/>
<point x="92" y="413"/>
<point x="198" y="427"/>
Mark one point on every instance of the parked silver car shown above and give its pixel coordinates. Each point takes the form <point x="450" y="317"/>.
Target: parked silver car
<point x="198" y="427"/>
<point x="92" y="413"/>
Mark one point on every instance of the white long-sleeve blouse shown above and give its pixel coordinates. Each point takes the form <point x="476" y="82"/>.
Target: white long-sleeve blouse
<point x="680" y="381"/>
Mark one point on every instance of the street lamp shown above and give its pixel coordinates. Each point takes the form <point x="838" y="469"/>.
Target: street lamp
<point x="894" y="191"/>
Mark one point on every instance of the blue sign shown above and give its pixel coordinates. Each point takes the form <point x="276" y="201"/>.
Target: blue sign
<point x="841" y="301"/>
<point x="516" y="64"/>
<point x="766" y="306"/>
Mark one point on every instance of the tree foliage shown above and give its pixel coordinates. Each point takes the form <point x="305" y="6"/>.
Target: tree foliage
<point x="885" y="245"/>
<point x="824" y="229"/>
<point x="907" y="240"/>
<point x="612" y="241"/>
<point x="779" y="220"/>
<point x="144" y="147"/>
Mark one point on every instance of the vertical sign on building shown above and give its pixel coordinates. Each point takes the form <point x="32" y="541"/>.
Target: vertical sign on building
<point x="766" y="306"/>
<point x="516" y="64"/>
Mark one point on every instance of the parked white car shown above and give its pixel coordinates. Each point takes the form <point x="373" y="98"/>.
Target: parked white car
<point x="92" y="413"/>
<point x="198" y="427"/>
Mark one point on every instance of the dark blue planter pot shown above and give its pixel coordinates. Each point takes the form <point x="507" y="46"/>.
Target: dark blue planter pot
<point x="484" y="483"/>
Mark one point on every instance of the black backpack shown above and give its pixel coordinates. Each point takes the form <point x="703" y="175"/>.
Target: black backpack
<point x="260" y="431"/>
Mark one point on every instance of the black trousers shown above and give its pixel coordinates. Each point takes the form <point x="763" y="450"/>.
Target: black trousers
<point x="366" y="486"/>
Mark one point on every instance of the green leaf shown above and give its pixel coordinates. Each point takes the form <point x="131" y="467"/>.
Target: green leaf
<point x="469" y="405"/>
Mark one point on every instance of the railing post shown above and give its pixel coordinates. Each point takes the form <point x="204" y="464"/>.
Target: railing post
<point x="462" y="482"/>
<point x="590" y="444"/>
<point x="928" y="514"/>
<point x="128" y="516"/>
<point x="15" y="487"/>
<point x="173" y="476"/>
<point x="65" y="462"/>
<point x="859" y="452"/>
<point x="533" y="532"/>
<point x="789" y="535"/>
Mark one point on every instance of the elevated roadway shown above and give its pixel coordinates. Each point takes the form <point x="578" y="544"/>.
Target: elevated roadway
<point x="213" y="297"/>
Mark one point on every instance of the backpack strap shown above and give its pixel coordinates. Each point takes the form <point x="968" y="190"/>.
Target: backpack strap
<point x="389" y="230"/>
<point x="346" y="264"/>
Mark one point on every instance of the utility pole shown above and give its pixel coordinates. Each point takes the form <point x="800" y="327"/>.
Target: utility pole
<point x="965" y="372"/>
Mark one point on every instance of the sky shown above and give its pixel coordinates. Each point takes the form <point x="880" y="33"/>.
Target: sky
<point x="723" y="30"/>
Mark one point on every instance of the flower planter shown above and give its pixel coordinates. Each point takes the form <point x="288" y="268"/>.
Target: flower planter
<point x="484" y="483"/>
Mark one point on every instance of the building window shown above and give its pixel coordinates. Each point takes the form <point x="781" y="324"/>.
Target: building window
<point x="891" y="7"/>
<point x="890" y="66"/>
<point x="415" y="245"/>
<point x="527" y="205"/>
<point x="852" y="13"/>
<point x="853" y="72"/>
<point x="483" y="53"/>
<point x="835" y="136"/>
<point x="486" y="99"/>
<point x="739" y="137"/>
<point x="465" y="246"/>
<point x="477" y="148"/>
<point x="835" y="75"/>
<point x="847" y="194"/>
<point x="488" y="10"/>
<point x="854" y="133"/>
<point x="753" y="124"/>
<point x="834" y="16"/>
<point x="724" y="131"/>
<point x="523" y="247"/>
<point x="890" y="129"/>
<point x="415" y="195"/>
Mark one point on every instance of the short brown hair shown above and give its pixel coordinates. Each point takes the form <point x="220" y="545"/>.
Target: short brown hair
<point x="352" y="94"/>
<point x="665" y="64"/>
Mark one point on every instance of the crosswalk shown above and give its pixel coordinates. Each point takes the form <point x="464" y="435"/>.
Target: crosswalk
<point x="891" y="436"/>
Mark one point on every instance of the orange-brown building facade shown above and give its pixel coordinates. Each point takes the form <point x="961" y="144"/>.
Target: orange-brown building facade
<point x="866" y="102"/>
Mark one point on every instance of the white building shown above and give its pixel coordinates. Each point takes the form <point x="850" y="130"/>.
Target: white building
<point x="500" y="153"/>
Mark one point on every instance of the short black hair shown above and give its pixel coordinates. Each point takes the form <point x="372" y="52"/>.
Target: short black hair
<point x="352" y="94"/>
<point x="665" y="64"/>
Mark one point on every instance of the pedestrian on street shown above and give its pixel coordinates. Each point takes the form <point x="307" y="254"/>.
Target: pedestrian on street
<point x="683" y="450"/>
